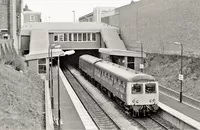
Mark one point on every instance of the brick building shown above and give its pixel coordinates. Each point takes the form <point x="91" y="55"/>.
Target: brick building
<point x="31" y="16"/>
<point x="10" y="20"/>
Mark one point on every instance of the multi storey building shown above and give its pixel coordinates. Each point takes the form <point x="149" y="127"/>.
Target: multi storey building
<point x="31" y="16"/>
<point x="10" y="20"/>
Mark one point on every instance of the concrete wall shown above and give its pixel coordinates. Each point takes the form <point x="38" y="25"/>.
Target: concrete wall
<point x="25" y="43"/>
<point x="160" y="24"/>
<point x="32" y="64"/>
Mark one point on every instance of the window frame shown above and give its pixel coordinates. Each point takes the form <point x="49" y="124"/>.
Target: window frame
<point x="54" y="37"/>
<point x="41" y="64"/>
<point x="32" y="18"/>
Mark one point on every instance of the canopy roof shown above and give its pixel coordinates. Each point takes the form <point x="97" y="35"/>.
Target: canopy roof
<point x="39" y="45"/>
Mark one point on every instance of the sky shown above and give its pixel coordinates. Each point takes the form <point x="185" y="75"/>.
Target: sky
<point x="62" y="10"/>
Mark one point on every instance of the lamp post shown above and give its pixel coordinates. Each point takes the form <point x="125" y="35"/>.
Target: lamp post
<point x="181" y="75"/>
<point x="59" y="110"/>
<point x="74" y="15"/>
<point x="141" y="64"/>
<point x="52" y="46"/>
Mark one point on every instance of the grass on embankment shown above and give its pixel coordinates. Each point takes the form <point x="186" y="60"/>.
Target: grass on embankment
<point x="21" y="97"/>
<point x="165" y="68"/>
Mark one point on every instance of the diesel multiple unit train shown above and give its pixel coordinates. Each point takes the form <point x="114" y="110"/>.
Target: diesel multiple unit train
<point x="136" y="92"/>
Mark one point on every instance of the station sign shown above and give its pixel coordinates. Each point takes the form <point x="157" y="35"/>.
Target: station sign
<point x="141" y="66"/>
<point x="180" y="77"/>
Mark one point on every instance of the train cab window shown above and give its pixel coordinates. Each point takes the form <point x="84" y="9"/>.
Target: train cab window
<point x="150" y="88"/>
<point x="136" y="89"/>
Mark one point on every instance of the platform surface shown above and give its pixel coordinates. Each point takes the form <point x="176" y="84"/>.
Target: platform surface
<point x="70" y="118"/>
<point x="187" y="113"/>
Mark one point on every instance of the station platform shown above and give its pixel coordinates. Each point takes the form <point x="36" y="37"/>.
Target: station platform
<point x="73" y="114"/>
<point x="184" y="112"/>
<point x="75" y="117"/>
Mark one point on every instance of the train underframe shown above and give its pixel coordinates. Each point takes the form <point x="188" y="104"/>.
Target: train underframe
<point x="131" y="110"/>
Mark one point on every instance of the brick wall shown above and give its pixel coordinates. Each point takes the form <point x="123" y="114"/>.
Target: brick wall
<point x="160" y="24"/>
<point x="4" y="14"/>
<point x="37" y="17"/>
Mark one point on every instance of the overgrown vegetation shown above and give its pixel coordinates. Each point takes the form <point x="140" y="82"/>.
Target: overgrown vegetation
<point x="21" y="95"/>
<point x="167" y="67"/>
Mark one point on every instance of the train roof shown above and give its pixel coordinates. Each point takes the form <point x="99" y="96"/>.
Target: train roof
<point x="90" y="59"/>
<point x="124" y="73"/>
<point x="117" y="70"/>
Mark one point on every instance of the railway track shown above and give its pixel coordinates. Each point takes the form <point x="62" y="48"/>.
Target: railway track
<point x="99" y="116"/>
<point x="146" y="123"/>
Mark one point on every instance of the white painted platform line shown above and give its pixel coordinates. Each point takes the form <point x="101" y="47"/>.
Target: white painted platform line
<point x="48" y="110"/>
<point x="86" y="119"/>
<point x="181" y="116"/>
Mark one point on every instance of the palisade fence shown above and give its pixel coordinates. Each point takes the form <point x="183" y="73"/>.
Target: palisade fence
<point x="7" y="50"/>
<point x="186" y="99"/>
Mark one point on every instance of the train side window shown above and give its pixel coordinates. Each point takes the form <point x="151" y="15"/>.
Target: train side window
<point x="119" y="81"/>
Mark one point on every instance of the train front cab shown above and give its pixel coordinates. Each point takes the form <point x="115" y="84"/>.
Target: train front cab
<point x="140" y="94"/>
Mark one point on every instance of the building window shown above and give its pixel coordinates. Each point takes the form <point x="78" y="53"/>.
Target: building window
<point x="79" y="36"/>
<point x="70" y="37"/>
<point x="42" y="66"/>
<point x="89" y="37"/>
<point x="84" y="36"/>
<point x="61" y="37"/>
<point x="75" y="37"/>
<point x="66" y="35"/>
<point x="131" y="62"/>
<point x="93" y="36"/>
<point x="32" y="18"/>
<point x="4" y="1"/>
<point x="55" y="38"/>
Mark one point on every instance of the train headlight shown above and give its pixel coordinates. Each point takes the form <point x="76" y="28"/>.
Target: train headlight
<point x="137" y="101"/>
<point x="133" y="101"/>
<point x="154" y="100"/>
<point x="150" y="100"/>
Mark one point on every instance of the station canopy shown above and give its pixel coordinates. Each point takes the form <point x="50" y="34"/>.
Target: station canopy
<point x="39" y="46"/>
